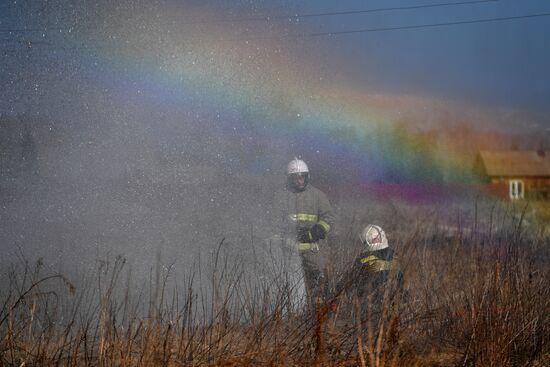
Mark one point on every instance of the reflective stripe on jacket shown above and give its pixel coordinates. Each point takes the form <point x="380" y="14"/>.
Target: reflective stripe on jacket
<point x="301" y="210"/>
<point x="375" y="263"/>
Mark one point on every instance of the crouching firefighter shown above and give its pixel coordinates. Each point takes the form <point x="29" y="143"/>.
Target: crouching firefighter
<point x="303" y="214"/>
<point x="374" y="277"/>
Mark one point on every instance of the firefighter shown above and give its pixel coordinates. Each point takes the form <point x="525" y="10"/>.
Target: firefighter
<point x="377" y="282"/>
<point x="374" y="275"/>
<point x="303" y="214"/>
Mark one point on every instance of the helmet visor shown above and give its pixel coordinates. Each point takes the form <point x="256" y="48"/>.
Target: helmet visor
<point x="373" y="238"/>
<point x="298" y="180"/>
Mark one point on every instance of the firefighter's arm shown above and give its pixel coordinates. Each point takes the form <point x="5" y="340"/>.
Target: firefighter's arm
<point x="326" y="218"/>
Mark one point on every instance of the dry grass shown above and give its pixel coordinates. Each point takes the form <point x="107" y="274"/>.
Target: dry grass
<point x="470" y="299"/>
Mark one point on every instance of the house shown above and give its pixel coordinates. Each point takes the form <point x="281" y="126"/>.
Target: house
<point x="523" y="174"/>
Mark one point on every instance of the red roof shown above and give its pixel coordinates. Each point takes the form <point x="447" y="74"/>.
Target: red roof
<point x="516" y="163"/>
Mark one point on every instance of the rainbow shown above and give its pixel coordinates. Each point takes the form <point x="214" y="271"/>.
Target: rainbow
<point x="262" y="93"/>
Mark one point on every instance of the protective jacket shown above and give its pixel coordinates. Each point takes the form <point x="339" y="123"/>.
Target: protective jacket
<point x="370" y="273"/>
<point x="296" y="211"/>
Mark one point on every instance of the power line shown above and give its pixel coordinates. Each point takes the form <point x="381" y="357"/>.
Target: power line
<point x="473" y="21"/>
<point x="306" y="15"/>
<point x="346" y="12"/>
<point x="382" y="29"/>
<point x="353" y="31"/>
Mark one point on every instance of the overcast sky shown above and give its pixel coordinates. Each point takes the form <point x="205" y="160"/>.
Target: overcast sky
<point x="485" y="60"/>
<point x="501" y="62"/>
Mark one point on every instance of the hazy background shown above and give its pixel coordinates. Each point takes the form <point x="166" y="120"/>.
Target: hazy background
<point x="147" y="128"/>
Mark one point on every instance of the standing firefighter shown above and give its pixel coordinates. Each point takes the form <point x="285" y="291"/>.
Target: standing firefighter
<point x="303" y="214"/>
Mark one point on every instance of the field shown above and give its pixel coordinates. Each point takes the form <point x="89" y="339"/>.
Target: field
<point x="475" y="294"/>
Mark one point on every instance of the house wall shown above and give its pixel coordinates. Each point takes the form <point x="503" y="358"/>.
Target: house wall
<point x="499" y="189"/>
<point x="535" y="187"/>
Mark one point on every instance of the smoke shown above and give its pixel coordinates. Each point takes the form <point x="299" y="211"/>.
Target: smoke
<point x="128" y="189"/>
<point x="129" y="155"/>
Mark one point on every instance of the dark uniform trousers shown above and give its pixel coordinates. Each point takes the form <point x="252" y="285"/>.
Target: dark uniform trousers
<point x="375" y="279"/>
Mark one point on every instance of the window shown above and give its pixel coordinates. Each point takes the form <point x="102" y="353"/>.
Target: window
<point x="517" y="189"/>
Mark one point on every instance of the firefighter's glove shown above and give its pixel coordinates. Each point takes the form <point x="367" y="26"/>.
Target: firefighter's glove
<point x="304" y="236"/>
<point x="317" y="233"/>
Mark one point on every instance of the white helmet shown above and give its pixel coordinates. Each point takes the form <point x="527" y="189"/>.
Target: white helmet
<point x="297" y="166"/>
<point x="373" y="238"/>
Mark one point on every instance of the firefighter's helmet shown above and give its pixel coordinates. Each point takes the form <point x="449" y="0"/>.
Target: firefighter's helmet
<point x="297" y="175"/>
<point x="297" y="166"/>
<point x="373" y="238"/>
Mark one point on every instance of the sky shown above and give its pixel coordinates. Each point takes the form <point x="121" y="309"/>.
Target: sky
<point x="502" y="64"/>
<point x="494" y="63"/>
<point x="345" y="83"/>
